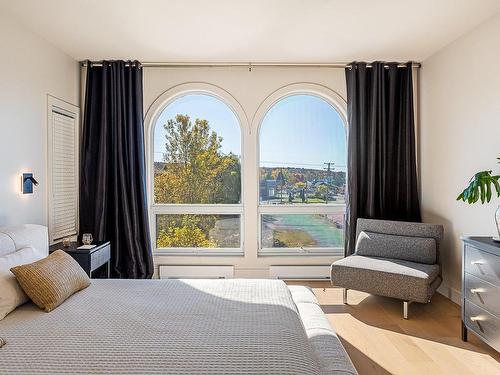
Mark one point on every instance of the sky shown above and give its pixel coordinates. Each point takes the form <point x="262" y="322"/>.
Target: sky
<point x="302" y="131"/>
<point x="298" y="131"/>
<point x="220" y="117"/>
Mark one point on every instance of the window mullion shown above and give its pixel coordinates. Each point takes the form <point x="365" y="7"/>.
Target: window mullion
<point x="197" y="209"/>
<point x="305" y="209"/>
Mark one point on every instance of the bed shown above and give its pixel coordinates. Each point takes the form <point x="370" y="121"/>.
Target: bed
<point x="147" y="327"/>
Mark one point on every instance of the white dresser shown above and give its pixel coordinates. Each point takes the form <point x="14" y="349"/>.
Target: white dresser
<point x="481" y="289"/>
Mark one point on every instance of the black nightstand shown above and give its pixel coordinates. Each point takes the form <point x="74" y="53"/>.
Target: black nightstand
<point x="91" y="259"/>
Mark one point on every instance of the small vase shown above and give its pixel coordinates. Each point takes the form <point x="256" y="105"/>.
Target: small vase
<point x="497" y="219"/>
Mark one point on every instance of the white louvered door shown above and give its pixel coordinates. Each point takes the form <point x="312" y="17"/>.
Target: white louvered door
<point x="63" y="129"/>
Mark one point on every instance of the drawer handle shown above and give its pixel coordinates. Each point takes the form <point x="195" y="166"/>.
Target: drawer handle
<point x="476" y="290"/>
<point x="478" y="262"/>
<point x="477" y="320"/>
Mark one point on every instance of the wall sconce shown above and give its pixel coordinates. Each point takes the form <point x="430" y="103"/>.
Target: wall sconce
<point x="27" y="182"/>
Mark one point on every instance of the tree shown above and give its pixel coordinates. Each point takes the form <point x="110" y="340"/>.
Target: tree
<point x="295" y="178"/>
<point x="300" y="185"/>
<point x="338" y="179"/>
<point x="196" y="170"/>
<point x="302" y="195"/>
<point x="280" y="174"/>
<point x="321" y="192"/>
<point x="187" y="233"/>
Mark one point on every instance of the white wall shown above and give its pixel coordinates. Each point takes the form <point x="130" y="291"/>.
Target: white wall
<point x="249" y="89"/>
<point x="30" y="68"/>
<point x="460" y="135"/>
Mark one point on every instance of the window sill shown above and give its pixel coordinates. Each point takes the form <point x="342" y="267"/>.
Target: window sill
<point x="300" y="253"/>
<point x="199" y="252"/>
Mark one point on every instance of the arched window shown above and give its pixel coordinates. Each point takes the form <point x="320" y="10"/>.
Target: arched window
<point x="302" y="184"/>
<point x="197" y="175"/>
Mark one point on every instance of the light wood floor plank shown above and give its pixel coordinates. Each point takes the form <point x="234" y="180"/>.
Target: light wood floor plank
<point x="380" y="341"/>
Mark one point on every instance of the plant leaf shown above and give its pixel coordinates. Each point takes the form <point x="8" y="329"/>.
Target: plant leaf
<point x="479" y="188"/>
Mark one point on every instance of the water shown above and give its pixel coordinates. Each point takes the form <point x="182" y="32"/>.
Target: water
<point x="322" y="228"/>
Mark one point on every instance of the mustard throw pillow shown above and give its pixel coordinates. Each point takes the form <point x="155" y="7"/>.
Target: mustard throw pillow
<point x="50" y="281"/>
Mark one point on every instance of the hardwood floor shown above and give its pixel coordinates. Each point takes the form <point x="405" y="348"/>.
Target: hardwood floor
<point x="380" y="341"/>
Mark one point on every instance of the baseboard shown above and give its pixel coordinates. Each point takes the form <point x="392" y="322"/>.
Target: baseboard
<point x="450" y="293"/>
<point x="295" y="272"/>
<point x="243" y="273"/>
<point x="251" y="273"/>
<point x="196" y="272"/>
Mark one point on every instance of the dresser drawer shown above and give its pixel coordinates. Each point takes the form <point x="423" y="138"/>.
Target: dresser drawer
<point x="482" y="323"/>
<point x="482" y="264"/>
<point x="483" y="294"/>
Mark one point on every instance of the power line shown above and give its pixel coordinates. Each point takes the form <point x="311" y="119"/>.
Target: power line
<point x="280" y="163"/>
<point x="298" y="164"/>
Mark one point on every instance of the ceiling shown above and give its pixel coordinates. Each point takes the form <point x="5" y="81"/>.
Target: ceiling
<point x="252" y="30"/>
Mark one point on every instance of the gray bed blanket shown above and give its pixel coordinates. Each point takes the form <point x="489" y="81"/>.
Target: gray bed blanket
<point x="171" y="327"/>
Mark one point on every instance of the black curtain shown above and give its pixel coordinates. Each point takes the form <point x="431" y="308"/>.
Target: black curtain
<point x="381" y="161"/>
<point x="113" y="202"/>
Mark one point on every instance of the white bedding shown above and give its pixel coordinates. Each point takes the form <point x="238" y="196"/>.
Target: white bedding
<point x="175" y="327"/>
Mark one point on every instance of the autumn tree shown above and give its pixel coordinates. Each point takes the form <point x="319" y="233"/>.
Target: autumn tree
<point x="187" y="233"/>
<point x="280" y="174"/>
<point x="322" y="192"/>
<point x="195" y="171"/>
<point x="300" y="185"/>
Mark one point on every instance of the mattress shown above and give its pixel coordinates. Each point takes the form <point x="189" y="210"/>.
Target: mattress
<point x="175" y="327"/>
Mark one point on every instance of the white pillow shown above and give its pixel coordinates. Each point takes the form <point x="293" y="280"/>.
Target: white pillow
<point x="11" y="294"/>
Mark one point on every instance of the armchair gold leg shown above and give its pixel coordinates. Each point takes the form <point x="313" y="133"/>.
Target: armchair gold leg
<point x="344" y="296"/>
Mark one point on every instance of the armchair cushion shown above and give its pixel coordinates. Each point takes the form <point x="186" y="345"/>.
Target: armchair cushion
<point x="402" y="228"/>
<point x="387" y="277"/>
<point x="414" y="249"/>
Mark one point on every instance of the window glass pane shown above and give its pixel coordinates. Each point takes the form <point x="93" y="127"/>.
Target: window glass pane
<point x="299" y="230"/>
<point x="205" y="231"/>
<point x="197" y="149"/>
<point x="302" y="153"/>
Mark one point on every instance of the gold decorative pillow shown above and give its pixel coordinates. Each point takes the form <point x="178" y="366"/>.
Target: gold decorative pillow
<point x="50" y="281"/>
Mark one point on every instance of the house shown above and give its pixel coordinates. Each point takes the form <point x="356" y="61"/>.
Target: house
<point x="268" y="189"/>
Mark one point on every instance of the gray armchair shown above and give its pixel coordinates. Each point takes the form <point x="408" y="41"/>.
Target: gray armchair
<point x="393" y="259"/>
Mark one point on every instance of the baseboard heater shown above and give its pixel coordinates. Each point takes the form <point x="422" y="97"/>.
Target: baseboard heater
<point x="300" y="272"/>
<point x="196" y="272"/>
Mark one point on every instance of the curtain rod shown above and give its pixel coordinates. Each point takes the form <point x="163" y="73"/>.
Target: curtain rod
<point x="154" y="64"/>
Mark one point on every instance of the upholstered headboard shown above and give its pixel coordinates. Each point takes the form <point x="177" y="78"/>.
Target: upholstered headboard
<point x="19" y="236"/>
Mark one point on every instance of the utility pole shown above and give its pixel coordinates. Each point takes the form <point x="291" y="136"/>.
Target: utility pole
<point x="330" y="166"/>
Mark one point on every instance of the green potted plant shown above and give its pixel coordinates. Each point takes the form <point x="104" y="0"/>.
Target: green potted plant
<point x="481" y="187"/>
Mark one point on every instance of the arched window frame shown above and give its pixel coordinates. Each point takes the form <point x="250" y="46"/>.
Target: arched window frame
<point x="340" y="105"/>
<point x="150" y="121"/>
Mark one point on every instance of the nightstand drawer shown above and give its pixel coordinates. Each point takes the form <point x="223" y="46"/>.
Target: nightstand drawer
<point x="483" y="265"/>
<point x="482" y="323"/>
<point x="483" y="294"/>
<point x="99" y="257"/>
<point x="89" y="259"/>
